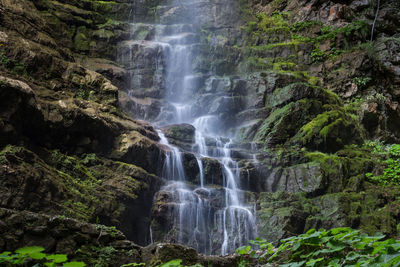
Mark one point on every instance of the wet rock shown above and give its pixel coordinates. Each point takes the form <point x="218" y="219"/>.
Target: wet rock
<point x="302" y="178"/>
<point x="180" y="132"/>
<point x="212" y="171"/>
<point x="388" y="57"/>
<point x="69" y="245"/>
<point x="225" y="105"/>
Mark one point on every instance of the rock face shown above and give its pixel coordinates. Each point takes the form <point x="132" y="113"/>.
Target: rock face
<point x="93" y="244"/>
<point x="296" y="82"/>
<point x="66" y="149"/>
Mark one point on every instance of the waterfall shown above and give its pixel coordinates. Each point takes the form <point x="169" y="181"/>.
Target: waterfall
<point x="212" y="218"/>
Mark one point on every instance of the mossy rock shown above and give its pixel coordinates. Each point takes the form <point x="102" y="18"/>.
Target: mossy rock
<point x="330" y="131"/>
<point x="90" y="189"/>
<point x="81" y="40"/>
<point x="296" y="91"/>
<point x="281" y="215"/>
<point x="180" y="132"/>
<point x="283" y="123"/>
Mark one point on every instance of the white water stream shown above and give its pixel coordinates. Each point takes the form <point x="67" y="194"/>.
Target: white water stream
<point x="208" y="227"/>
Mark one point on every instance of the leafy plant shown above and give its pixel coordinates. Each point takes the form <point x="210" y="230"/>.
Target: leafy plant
<point x="391" y="173"/>
<point x="35" y="255"/>
<point x="16" y="67"/>
<point x="172" y="263"/>
<point x="335" y="247"/>
<point x="361" y="81"/>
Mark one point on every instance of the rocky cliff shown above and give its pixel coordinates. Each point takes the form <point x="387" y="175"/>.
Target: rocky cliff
<point x="313" y="100"/>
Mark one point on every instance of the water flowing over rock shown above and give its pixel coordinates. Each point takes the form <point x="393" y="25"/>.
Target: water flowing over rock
<point x="206" y="208"/>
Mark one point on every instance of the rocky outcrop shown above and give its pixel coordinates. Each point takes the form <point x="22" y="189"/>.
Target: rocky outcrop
<point x="92" y="244"/>
<point x="66" y="148"/>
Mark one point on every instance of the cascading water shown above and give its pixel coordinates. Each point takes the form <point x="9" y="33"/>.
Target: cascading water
<point x="211" y="218"/>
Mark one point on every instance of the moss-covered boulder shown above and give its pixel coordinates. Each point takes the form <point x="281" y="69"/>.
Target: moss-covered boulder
<point x="88" y="188"/>
<point x="330" y="131"/>
<point x="180" y="132"/>
<point x="283" y="123"/>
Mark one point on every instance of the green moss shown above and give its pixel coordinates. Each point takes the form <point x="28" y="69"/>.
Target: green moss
<point x="16" y="67"/>
<point x="99" y="256"/>
<point x="324" y="123"/>
<point x="284" y="66"/>
<point x="277" y="46"/>
<point x="275" y="118"/>
<point x="79" y="182"/>
<point x="277" y="20"/>
<point x="102" y="6"/>
<point x="388" y="157"/>
<point x="81" y="41"/>
<point x="110" y="24"/>
<point x="255" y="64"/>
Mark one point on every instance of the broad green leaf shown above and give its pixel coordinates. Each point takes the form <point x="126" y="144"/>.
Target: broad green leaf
<point x="396" y="246"/>
<point x="334" y="263"/>
<point x="378" y="249"/>
<point x="19" y="259"/>
<point x="296" y="246"/>
<point x="37" y="255"/>
<point x="57" y="258"/>
<point x="352" y="256"/>
<point x="243" y="250"/>
<point x="5" y="253"/>
<point x="390" y="258"/>
<point x="313" y="262"/>
<point x="29" y="250"/>
<point x="338" y="230"/>
<point x="311" y="231"/>
<point x="254" y="255"/>
<point x="74" y="264"/>
<point x="133" y="264"/>
<point x="173" y="263"/>
<point x="335" y="245"/>
<point x="293" y="264"/>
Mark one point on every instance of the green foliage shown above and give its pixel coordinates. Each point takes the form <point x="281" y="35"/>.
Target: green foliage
<point x="318" y="55"/>
<point x="112" y="230"/>
<point x="110" y="24"/>
<point x="335" y="247"/>
<point x="177" y="263"/>
<point x="361" y="81"/>
<point x="304" y="25"/>
<point x="3" y="58"/>
<point x="16" y="67"/>
<point x="172" y="263"/>
<point x="35" y="255"/>
<point x="391" y="161"/>
<point x="329" y="34"/>
<point x="323" y="124"/>
<point x="277" y="20"/>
